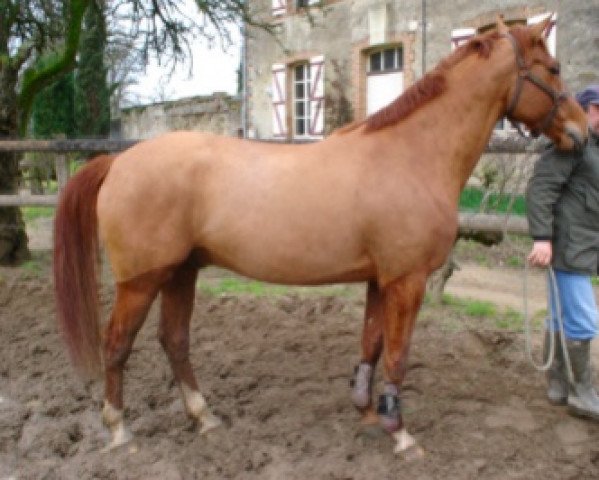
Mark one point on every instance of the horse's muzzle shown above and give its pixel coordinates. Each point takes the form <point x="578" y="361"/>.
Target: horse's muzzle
<point x="579" y="138"/>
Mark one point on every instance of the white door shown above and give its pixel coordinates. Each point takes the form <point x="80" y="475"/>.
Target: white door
<point x="382" y="90"/>
<point x="385" y="80"/>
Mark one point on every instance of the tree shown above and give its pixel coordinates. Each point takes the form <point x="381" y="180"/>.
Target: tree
<point x="39" y="41"/>
<point x="38" y="44"/>
<point x="92" y="94"/>
<point x="53" y="110"/>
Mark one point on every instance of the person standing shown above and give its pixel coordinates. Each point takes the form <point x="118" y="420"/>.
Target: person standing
<point x="562" y="200"/>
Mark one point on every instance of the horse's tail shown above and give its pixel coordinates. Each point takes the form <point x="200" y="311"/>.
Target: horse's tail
<point x="76" y="256"/>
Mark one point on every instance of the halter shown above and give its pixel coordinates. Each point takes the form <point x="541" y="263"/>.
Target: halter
<point x="524" y="73"/>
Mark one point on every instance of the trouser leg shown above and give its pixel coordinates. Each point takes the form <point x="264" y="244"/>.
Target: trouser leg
<point x="579" y="313"/>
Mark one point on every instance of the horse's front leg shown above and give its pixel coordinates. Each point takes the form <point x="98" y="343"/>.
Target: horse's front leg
<point x="372" y="347"/>
<point x="403" y="298"/>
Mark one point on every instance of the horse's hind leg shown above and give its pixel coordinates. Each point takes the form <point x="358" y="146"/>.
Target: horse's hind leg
<point x="372" y="346"/>
<point x="133" y="300"/>
<point x="177" y="305"/>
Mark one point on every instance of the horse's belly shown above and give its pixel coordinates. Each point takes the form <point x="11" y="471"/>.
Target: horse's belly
<point x="297" y="265"/>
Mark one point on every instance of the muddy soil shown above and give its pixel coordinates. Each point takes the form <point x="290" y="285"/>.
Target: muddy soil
<point x="276" y="368"/>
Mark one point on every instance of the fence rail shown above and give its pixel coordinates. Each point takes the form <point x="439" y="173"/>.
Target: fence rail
<point x="65" y="146"/>
<point x="60" y="149"/>
<point x="468" y="222"/>
<point x="497" y="144"/>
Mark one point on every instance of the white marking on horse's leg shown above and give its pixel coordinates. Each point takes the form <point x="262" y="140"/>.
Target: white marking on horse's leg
<point x="113" y="419"/>
<point x="196" y="406"/>
<point x="361" y="394"/>
<point x="405" y="441"/>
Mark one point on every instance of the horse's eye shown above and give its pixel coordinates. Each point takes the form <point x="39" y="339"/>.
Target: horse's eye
<point x="555" y="69"/>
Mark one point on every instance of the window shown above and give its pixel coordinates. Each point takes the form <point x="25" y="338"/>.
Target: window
<point x="387" y="60"/>
<point x="279" y="7"/>
<point x="298" y="99"/>
<point x="301" y="99"/>
<point x="460" y="36"/>
<point x="384" y="71"/>
<point x="282" y="7"/>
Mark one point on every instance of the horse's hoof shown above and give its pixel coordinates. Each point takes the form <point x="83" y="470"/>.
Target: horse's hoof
<point x="406" y="445"/>
<point x="369" y="417"/>
<point x="415" y="452"/>
<point x="120" y="437"/>
<point x="209" y="422"/>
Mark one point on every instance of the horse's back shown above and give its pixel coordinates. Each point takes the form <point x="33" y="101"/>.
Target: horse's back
<point x="266" y="210"/>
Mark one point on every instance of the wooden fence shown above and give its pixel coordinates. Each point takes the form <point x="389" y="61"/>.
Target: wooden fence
<point x="469" y="222"/>
<point x="59" y="149"/>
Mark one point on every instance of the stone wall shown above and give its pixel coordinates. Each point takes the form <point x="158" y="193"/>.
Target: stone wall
<point x="218" y="113"/>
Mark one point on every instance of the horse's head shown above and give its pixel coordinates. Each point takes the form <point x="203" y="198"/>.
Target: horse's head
<point x="537" y="96"/>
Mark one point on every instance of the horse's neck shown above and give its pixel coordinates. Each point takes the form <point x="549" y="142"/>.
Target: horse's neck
<point x="454" y="128"/>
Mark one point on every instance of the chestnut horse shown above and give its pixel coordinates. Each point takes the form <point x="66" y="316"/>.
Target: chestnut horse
<point x="376" y="201"/>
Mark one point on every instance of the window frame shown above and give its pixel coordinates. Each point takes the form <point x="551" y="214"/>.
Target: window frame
<point x="305" y="117"/>
<point x="398" y="59"/>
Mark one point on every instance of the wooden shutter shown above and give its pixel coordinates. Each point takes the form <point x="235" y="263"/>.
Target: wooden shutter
<point x="279" y="7"/>
<point x="459" y="36"/>
<point x="279" y="100"/>
<point x="550" y="31"/>
<point x="317" y="96"/>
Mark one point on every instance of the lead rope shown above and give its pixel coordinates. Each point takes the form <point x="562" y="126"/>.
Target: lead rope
<point x="560" y="321"/>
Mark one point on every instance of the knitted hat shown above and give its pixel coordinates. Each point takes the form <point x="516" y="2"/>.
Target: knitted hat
<point x="589" y="95"/>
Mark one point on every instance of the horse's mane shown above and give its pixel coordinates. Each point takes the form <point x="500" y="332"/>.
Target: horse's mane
<point x="429" y="87"/>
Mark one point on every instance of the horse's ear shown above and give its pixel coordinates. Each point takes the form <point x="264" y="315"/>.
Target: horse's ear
<point x="501" y="26"/>
<point x="538" y="28"/>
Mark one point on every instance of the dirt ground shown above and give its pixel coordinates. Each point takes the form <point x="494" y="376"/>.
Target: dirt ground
<point x="276" y="368"/>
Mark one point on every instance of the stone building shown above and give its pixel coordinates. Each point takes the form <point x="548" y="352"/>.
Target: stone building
<point x="217" y="113"/>
<point x="333" y="61"/>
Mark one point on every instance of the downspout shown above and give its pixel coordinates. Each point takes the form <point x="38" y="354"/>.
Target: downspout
<point x="423" y="37"/>
<point x="244" y="89"/>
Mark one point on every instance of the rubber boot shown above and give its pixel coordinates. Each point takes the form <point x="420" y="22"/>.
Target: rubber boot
<point x="557" y="381"/>
<point x="582" y="399"/>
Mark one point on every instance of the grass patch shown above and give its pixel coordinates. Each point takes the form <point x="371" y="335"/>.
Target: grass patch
<point x="471" y="199"/>
<point x="33" y="213"/>
<point x="472" y="308"/>
<point x="480" y="308"/>
<point x="243" y="286"/>
<point x="482" y="260"/>
<point x="510" y="319"/>
<point x="515" y="261"/>
<point x="33" y="268"/>
<point x="452" y="300"/>
<point x="504" y="319"/>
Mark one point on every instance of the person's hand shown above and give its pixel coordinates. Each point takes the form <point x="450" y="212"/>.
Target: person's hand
<point x="541" y="253"/>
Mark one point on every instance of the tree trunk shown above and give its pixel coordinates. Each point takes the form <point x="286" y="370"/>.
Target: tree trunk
<point x="13" y="238"/>
<point x="435" y="285"/>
